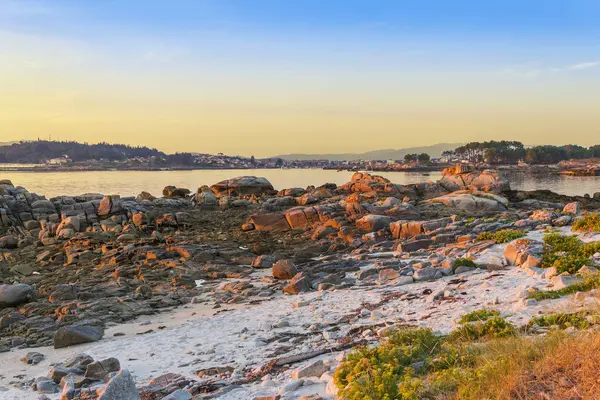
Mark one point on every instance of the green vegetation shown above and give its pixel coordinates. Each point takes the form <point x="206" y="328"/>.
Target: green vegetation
<point x="502" y="236"/>
<point x="589" y="223"/>
<point x="567" y="253"/>
<point x="491" y="328"/>
<point x="416" y="364"/>
<point x="589" y="282"/>
<point x="478" y="315"/>
<point x="578" y="320"/>
<point x="463" y="262"/>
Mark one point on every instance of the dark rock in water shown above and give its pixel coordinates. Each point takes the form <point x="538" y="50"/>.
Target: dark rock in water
<point x="99" y="369"/>
<point x="284" y="269"/>
<point x="13" y="295"/>
<point x="243" y="186"/>
<point x="120" y="387"/>
<point x="71" y="335"/>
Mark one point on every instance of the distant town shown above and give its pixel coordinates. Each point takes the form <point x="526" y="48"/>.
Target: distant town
<point x="45" y="155"/>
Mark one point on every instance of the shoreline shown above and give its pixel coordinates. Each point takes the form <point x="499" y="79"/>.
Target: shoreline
<point x="293" y="277"/>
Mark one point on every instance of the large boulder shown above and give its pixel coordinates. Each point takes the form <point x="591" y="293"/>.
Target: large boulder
<point x="473" y="201"/>
<point x="524" y="252"/>
<point x="172" y="192"/>
<point x="269" y="222"/>
<point x="14" y="295"/>
<point x="120" y="387"/>
<point x="364" y="182"/>
<point x="373" y="223"/>
<point x="243" y="186"/>
<point x="284" y="269"/>
<point x="299" y="283"/>
<point x="407" y="229"/>
<point x="464" y="177"/>
<point x="110" y="205"/>
<point x="71" y="335"/>
<point x="205" y="197"/>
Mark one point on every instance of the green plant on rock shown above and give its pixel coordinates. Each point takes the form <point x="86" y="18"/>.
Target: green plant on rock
<point x="502" y="236"/>
<point x="463" y="262"/>
<point x="588" y="223"/>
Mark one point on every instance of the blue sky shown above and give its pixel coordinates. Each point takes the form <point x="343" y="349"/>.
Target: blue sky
<point x="221" y="70"/>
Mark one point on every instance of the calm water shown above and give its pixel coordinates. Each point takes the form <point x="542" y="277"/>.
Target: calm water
<point x="133" y="182"/>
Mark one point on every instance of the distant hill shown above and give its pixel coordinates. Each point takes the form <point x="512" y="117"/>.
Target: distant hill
<point x="434" y="151"/>
<point x="34" y="152"/>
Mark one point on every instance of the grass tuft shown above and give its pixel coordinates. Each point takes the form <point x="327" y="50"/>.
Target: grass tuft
<point x="501" y="236"/>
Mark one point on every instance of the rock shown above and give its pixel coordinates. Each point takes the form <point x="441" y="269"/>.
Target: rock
<point x="315" y="368"/>
<point x="99" y="369"/>
<point x="9" y="242"/>
<point x="243" y="186"/>
<point x="284" y="269"/>
<point x="263" y="261"/>
<point x="472" y="201"/>
<point x="71" y="335"/>
<point x="144" y="196"/>
<point x="373" y="223"/>
<point x="269" y="222"/>
<point x="64" y="292"/>
<point x="172" y="192"/>
<point x="120" y="387"/>
<point x="427" y="274"/>
<point x="545" y="216"/>
<point x="563" y="281"/>
<point x="110" y="205"/>
<point x="299" y="283"/>
<point x="518" y="251"/>
<point x="362" y="182"/>
<point x="47" y="386"/>
<point x="205" y="198"/>
<point x="407" y="229"/>
<point x="573" y="208"/>
<point x="33" y="358"/>
<point x="414" y="245"/>
<point x="463" y="177"/>
<point x="14" y="295"/>
<point x="179" y="394"/>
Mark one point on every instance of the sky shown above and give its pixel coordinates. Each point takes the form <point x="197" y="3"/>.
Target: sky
<point x="269" y="77"/>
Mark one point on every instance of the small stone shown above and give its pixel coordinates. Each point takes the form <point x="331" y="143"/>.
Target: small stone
<point x="33" y="358"/>
<point x="316" y="368"/>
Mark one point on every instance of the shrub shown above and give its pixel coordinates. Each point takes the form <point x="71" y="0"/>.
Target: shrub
<point x="589" y="282"/>
<point x="385" y="371"/>
<point x="567" y="253"/>
<point x="501" y="236"/>
<point x="588" y="223"/>
<point x="562" y="320"/>
<point x="463" y="262"/>
<point x="478" y="315"/>
<point x="492" y="328"/>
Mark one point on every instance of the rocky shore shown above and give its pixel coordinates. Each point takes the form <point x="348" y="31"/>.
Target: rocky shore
<point x="239" y="291"/>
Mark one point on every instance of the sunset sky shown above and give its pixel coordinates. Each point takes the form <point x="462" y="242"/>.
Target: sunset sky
<point x="267" y="77"/>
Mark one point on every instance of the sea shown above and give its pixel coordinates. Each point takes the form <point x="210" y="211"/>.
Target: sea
<point x="130" y="183"/>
